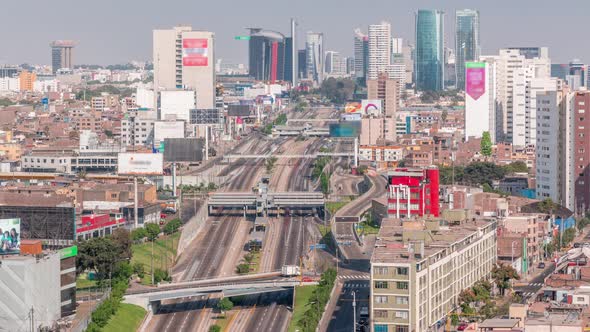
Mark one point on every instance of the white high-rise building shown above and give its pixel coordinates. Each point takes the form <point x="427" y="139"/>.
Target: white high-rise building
<point x="555" y="177"/>
<point x="520" y="74"/>
<point x="184" y="59"/>
<point x="315" y="56"/>
<point x="335" y="64"/>
<point x="480" y="99"/>
<point x="379" y="49"/>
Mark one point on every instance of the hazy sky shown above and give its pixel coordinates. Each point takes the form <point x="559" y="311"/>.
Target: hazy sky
<point x="117" y="31"/>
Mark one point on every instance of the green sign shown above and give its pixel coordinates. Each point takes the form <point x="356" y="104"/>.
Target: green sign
<point x="68" y="252"/>
<point x="475" y="64"/>
<point x="242" y="37"/>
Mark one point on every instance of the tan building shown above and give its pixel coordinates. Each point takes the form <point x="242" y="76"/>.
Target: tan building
<point x="184" y="59"/>
<point x="385" y="89"/>
<point x="419" y="268"/>
<point x="377" y="131"/>
<point x="27" y="80"/>
<point x="526" y="225"/>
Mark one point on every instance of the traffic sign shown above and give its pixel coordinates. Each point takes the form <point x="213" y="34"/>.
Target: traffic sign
<point x="317" y="246"/>
<point x="242" y="37"/>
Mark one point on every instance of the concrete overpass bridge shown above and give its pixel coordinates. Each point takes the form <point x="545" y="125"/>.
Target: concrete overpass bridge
<point x="151" y="299"/>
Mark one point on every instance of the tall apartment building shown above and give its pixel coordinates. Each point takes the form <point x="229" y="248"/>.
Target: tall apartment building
<point x="379" y="49"/>
<point x="387" y="90"/>
<point x="467" y="47"/>
<point x="520" y="75"/>
<point x="27" y="80"/>
<point x="377" y="131"/>
<point x="419" y="268"/>
<point x="184" y="59"/>
<point x="335" y="64"/>
<point x="137" y="128"/>
<point x="61" y="55"/>
<point x="361" y="55"/>
<point x="581" y="150"/>
<point x="314" y="47"/>
<point x="430" y="50"/>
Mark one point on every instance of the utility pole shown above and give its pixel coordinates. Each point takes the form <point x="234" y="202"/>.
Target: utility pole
<point x="32" y="319"/>
<point x="135" y="203"/>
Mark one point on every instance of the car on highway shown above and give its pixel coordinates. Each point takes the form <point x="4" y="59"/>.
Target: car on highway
<point x="541" y="265"/>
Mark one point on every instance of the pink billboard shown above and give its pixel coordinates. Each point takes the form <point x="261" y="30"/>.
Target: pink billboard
<point x="475" y="79"/>
<point x="194" y="52"/>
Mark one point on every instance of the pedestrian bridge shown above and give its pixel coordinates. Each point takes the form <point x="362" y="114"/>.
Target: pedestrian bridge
<point x="271" y="203"/>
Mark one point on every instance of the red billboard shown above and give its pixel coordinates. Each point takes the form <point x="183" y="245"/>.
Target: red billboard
<point x="195" y="52"/>
<point x="475" y="79"/>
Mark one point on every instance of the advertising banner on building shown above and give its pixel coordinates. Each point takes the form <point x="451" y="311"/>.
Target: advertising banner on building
<point x="195" y="52"/>
<point x="140" y="163"/>
<point x="353" y="108"/>
<point x="475" y="79"/>
<point x="167" y="129"/>
<point x="372" y="107"/>
<point x="345" y="129"/>
<point x="9" y="236"/>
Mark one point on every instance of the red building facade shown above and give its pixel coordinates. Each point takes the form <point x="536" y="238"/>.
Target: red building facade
<point x="413" y="192"/>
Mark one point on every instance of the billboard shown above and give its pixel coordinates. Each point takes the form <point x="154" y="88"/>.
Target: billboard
<point x="140" y="163"/>
<point x="9" y="236"/>
<point x="372" y="106"/>
<point x="475" y="79"/>
<point x="195" y="52"/>
<point x="205" y="116"/>
<point x="183" y="149"/>
<point x="350" y="117"/>
<point x="239" y="110"/>
<point x="345" y="129"/>
<point x="167" y="129"/>
<point x="353" y="108"/>
<point x="68" y="252"/>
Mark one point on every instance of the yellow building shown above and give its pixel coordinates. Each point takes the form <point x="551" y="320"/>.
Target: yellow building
<point x="27" y="80"/>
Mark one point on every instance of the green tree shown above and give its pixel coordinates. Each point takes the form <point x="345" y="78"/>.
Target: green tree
<point x="270" y="164"/>
<point x="122" y="239"/>
<point x="502" y="274"/>
<point x="517" y="167"/>
<point x="98" y="254"/>
<point x="479" y="173"/>
<point x="546" y="206"/>
<point x="214" y="328"/>
<point x="172" y="226"/>
<point x="243" y="268"/>
<point x="325" y="183"/>
<point x="138" y="234"/>
<point x="225" y="304"/>
<point x="337" y="91"/>
<point x="582" y="223"/>
<point x="139" y="269"/>
<point x="444" y="115"/>
<point x="161" y="275"/>
<point x="152" y="231"/>
<point x="486" y="144"/>
<point x="568" y="236"/>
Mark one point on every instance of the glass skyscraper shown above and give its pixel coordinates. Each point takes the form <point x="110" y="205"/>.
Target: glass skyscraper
<point x="430" y="47"/>
<point x="467" y="46"/>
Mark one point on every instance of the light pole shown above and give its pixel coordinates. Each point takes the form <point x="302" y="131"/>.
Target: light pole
<point x="353" y="311"/>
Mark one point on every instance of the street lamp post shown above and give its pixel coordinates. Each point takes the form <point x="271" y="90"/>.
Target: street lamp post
<point x="353" y="311"/>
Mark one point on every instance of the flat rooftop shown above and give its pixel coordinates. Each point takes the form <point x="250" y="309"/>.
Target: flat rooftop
<point x="396" y="236"/>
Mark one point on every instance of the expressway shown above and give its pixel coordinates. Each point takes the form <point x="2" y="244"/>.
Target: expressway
<point x="219" y="246"/>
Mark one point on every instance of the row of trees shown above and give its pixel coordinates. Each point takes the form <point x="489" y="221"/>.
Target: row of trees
<point x="317" y="302"/>
<point x="479" y="173"/>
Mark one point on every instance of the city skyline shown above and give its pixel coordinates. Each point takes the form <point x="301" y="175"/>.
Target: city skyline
<point x="125" y="39"/>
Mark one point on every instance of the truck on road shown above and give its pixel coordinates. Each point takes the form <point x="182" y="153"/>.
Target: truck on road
<point x="290" y="271"/>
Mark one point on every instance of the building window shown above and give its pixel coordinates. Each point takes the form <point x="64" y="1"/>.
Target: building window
<point x="381" y="270"/>
<point x="380" y="313"/>
<point x="402" y="271"/>
<point x="401" y="329"/>
<point x="380" y="299"/>
<point x="401" y="314"/>
<point x="402" y="285"/>
<point x="381" y="284"/>
<point x="401" y="300"/>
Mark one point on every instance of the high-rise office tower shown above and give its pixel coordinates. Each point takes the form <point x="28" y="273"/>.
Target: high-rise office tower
<point x="467" y="48"/>
<point x="315" y="57"/>
<point x="361" y="55"/>
<point x="385" y="89"/>
<point x="302" y="63"/>
<point x="184" y="59"/>
<point x="335" y="64"/>
<point x="430" y="46"/>
<point x="61" y="55"/>
<point x="379" y="49"/>
<point x="267" y="55"/>
<point x="294" y="55"/>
